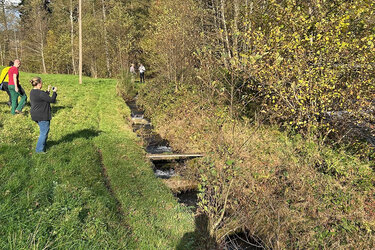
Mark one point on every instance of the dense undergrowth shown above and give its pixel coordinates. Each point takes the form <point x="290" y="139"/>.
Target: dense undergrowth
<point x="279" y="96"/>
<point x="93" y="189"/>
<point x="287" y="190"/>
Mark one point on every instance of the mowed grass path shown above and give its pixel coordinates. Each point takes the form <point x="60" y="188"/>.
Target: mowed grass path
<point x="94" y="188"/>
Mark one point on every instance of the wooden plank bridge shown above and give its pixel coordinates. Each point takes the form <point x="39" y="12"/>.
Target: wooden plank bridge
<point x="170" y="157"/>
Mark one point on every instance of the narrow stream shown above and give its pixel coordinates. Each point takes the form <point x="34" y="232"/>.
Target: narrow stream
<point x="242" y="241"/>
<point x="168" y="170"/>
<point x="155" y="144"/>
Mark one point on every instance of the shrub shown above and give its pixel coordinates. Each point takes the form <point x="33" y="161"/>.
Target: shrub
<point x="125" y="86"/>
<point x="287" y="191"/>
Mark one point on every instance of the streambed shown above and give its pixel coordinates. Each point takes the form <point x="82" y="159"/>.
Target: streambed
<point x="167" y="170"/>
<point x="184" y="190"/>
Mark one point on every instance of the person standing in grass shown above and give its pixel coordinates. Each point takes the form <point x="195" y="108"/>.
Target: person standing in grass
<point x="16" y="89"/>
<point x="5" y="80"/>
<point x="132" y="72"/>
<point x="41" y="110"/>
<point x="142" y="70"/>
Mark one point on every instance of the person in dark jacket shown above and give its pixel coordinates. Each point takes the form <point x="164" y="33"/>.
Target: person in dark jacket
<point x="41" y="110"/>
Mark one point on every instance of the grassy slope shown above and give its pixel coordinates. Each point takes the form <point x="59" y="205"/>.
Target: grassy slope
<point x="93" y="188"/>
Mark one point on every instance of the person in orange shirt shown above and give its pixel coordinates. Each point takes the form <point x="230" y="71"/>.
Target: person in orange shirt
<point x="16" y="89"/>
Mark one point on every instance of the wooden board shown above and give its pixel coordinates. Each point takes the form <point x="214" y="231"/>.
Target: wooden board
<point x="169" y="157"/>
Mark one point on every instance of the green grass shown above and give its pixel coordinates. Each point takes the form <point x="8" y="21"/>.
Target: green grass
<point x="94" y="188"/>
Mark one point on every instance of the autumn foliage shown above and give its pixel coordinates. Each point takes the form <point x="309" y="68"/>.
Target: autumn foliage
<point x="253" y="69"/>
<point x="279" y="94"/>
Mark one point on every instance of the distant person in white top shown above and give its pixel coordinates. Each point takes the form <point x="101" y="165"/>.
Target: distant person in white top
<point x="142" y="70"/>
<point x="132" y="72"/>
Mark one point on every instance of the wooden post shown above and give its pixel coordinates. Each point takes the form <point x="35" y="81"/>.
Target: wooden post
<point x="80" y="41"/>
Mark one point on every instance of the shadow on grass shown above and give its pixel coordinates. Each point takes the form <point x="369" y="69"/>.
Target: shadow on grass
<point x="200" y="238"/>
<point x="56" y="109"/>
<point x="84" y="133"/>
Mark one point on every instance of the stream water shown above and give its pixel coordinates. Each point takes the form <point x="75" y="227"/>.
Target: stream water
<point x="155" y="144"/>
<point x="242" y="241"/>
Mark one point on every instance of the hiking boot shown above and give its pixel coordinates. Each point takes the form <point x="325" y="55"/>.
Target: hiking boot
<point x="19" y="112"/>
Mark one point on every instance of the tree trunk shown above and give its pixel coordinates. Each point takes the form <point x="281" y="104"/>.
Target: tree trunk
<point x="94" y="69"/>
<point x="41" y="33"/>
<point x="43" y="61"/>
<point x="121" y="58"/>
<point x="15" y="43"/>
<point x="222" y="9"/>
<point x="5" y="22"/>
<point x="80" y="41"/>
<point x="217" y="24"/>
<point x="108" y="73"/>
<point x="72" y="36"/>
<point x="248" y="13"/>
<point x="2" y="55"/>
<point x="235" y="28"/>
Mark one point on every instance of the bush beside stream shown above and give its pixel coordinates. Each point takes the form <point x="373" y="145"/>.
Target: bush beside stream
<point x="290" y="191"/>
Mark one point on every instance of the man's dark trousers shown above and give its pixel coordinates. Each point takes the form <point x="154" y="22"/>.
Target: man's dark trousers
<point x="5" y="88"/>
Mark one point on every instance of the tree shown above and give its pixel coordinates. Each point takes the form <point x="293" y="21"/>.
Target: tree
<point x="5" y="51"/>
<point x="172" y="38"/>
<point x="34" y="20"/>
<point x="71" y="9"/>
<point x="106" y="45"/>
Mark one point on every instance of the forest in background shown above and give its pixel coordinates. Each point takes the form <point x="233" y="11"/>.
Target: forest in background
<point x="279" y="92"/>
<point x="44" y="34"/>
<point x="297" y="62"/>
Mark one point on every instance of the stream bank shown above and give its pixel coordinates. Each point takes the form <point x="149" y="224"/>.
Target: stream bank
<point x="165" y="168"/>
<point x="183" y="189"/>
